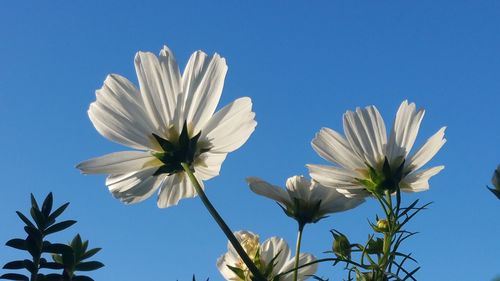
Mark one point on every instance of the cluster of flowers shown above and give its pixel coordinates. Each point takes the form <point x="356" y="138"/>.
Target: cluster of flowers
<point x="180" y="141"/>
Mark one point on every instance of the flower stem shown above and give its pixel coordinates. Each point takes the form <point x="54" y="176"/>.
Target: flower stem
<point x="223" y="226"/>
<point x="391" y="219"/>
<point x="297" y="251"/>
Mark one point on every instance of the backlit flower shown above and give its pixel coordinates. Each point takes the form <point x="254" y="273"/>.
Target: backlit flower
<point x="271" y="257"/>
<point x="304" y="200"/>
<point x="367" y="161"/>
<point x="169" y="120"/>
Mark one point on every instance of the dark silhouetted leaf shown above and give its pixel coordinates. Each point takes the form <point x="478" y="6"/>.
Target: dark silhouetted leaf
<point x="90" y="253"/>
<point x="82" y="278"/>
<point x="47" y="205"/>
<point x="58" y="212"/>
<point x="56" y="248"/>
<point x="17" y="243"/>
<point x="53" y="277"/>
<point x="59" y="226"/>
<point x="25" y="219"/>
<point x="89" y="266"/>
<point x="14" y="276"/>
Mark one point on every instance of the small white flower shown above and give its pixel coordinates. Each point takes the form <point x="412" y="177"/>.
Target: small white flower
<point x="304" y="200"/>
<point x="367" y="160"/>
<point x="272" y="257"/>
<point x="170" y="119"/>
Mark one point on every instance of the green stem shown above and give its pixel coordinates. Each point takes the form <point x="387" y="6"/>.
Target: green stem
<point x="227" y="231"/>
<point x="297" y="251"/>
<point x="391" y="220"/>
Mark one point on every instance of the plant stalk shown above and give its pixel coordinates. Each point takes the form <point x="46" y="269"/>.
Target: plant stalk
<point x="223" y="226"/>
<point x="297" y="251"/>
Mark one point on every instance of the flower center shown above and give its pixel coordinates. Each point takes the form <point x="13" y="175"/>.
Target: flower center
<point x="378" y="181"/>
<point x="184" y="150"/>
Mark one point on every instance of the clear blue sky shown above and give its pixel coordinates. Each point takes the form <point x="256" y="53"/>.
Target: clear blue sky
<point x="304" y="63"/>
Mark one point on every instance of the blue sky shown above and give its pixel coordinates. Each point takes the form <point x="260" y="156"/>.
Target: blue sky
<point x="303" y="63"/>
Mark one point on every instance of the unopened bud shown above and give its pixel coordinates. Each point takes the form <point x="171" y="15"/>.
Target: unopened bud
<point x="342" y="247"/>
<point x="382" y="226"/>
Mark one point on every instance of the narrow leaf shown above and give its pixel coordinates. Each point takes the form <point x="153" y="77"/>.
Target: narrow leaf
<point x="17" y="243"/>
<point x="47" y="205"/>
<point x="25" y="219"/>
<point x="58" y="212"/>
<point x="89" y="266"/>
<point x="59" y="226"/>
<point x="14" y="276"/>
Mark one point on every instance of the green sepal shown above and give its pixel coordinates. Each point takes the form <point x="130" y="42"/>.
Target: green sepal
<point x="238" y="271"/>
<point x="375" y="246"/>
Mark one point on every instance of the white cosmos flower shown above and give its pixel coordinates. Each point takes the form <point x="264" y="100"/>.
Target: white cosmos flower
<point x="169" y="119"/>
<point x="367" y="160"/>
<point x="304" y="200"/>
<point x="272" y="256"/>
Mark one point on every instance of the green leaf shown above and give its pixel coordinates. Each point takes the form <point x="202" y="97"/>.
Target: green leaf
<point x="56" y="248"/>
<point x="58" y="212"/>
<point x="51" y="265"/>
<point x="38" y="218"/>
<point x="17" y="243"/>
<point x="82" y="278"/>
<point x="53" y="277"/>
<point x="25" y="219"/>
<point x="14" y="265"/>
<point x="47" y="205"/>
<point x="89" y="266"/>
<point x="14" y="276"/>
<point x="59" y="227"/>
<point x="34" y="204"/>
<point x="90" y="253"/>
<point x="33" y="232"/>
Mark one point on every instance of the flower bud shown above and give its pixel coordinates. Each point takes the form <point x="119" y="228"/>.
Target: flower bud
<point x="382" y="226"/>
<point x="341" y="246"/>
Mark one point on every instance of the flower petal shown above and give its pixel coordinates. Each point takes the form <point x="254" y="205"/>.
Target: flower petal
<point x="159" y="84"/>
<point x="300" y="188"/>
<point x="271" y="248"/>
<point x="270" y="191"/>
<point x="117" y="114"/>
<point x="333" y="177"/>
<point x="174" y="188"/>
<point x="133" y="187"/>
<point x="202" y="83"/>
<point x="230" y="127"/>
<point x="332" y="147"/>
<point x="365" y="130"/>
<point x="304" y="272"/>
<point x="404" y="131"/>
<point x="208" y="164"/>
<point x="427" y="151"/>
<point x="419" y="181"/>
<point x="119" y="163"/>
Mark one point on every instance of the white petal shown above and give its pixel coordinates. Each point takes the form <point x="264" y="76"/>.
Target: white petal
<point x="427" y="151"/>
<point x="271" y="248"/>
<point x="404" y="131"/>
<point x="133" y="187"/>
<point x="222" y="265"/>
<point x="365" y="130"/>
<point x="333" y="177"/>
<point x="300" y="188"/>
<point x="118" y="163"/>
<point x="174" y="188"/>
<point x="117" y="114"/>
<point x="334" y="201"/>
<point x="203" y="81"/>
<point x="270" y="191"/>
<point x="332" y="147"/>
<point x="230" y="127"/>
<point x="304" y="272"/>
<point x="419" y="181"/>
<point x="156" y="85"/>
<point x="208" y="164"/>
